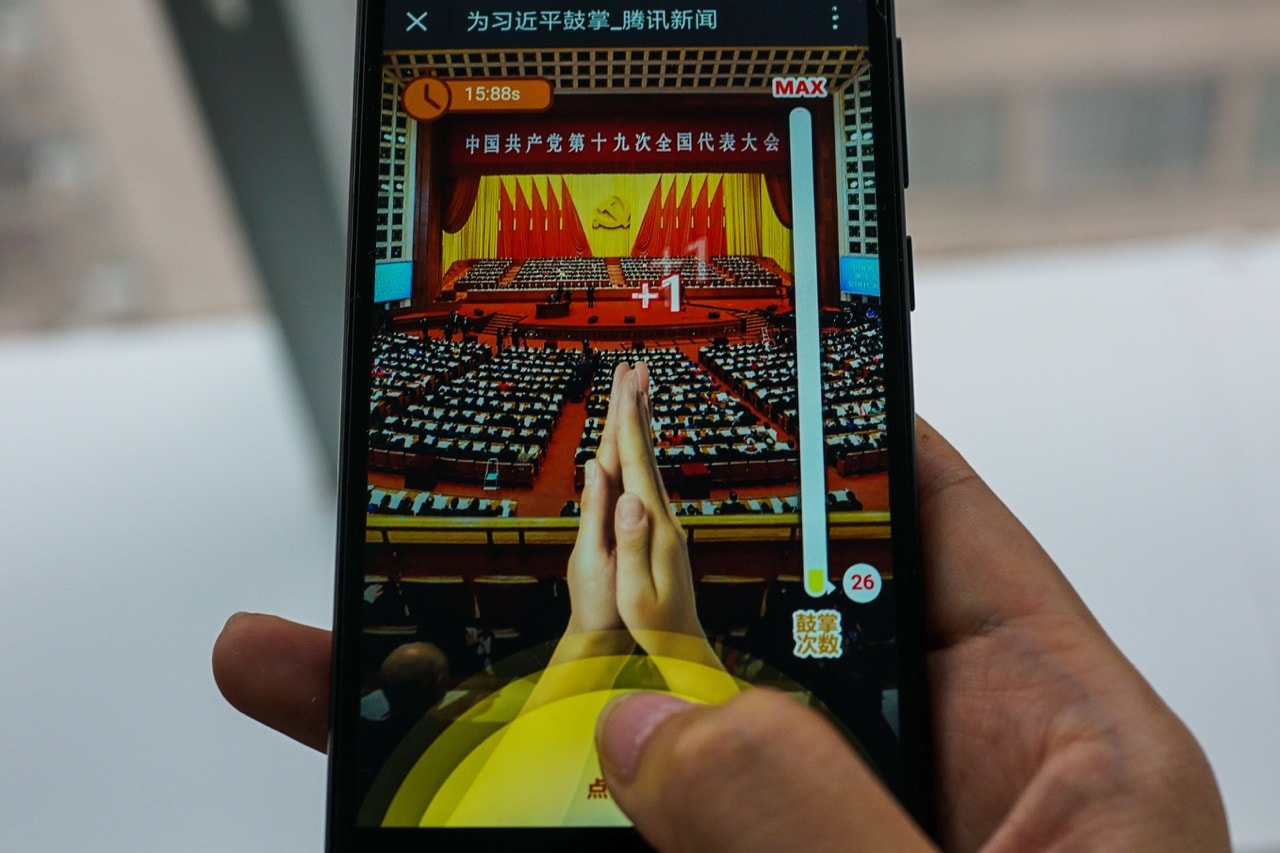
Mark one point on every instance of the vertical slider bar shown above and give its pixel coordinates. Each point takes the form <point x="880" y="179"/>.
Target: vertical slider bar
<point x="813" y="475"/>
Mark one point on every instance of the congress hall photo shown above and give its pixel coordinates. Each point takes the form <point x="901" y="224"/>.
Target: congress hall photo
<point x="644" y="213"/>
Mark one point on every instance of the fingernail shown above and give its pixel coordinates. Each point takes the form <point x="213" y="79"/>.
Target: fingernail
<point x="590" y="471"/>
<point x="630" y="511"/>
<point x="235" y="617"/>
<point x="625" y="725"/>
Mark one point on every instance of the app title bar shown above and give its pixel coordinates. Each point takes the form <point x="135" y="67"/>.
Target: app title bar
<point x="483" y="24"/>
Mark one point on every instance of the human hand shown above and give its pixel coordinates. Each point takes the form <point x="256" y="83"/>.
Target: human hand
<point x="589" y="654"/>
<point x="629" y="574"/>
<point x="654" y="580"/>
<point x="592" y="569"/>
<point x="277" y="672"/>
<point x="1045" y="735"/>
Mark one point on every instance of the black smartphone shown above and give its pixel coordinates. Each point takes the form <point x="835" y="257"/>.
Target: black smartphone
<point x="541" y="193"/>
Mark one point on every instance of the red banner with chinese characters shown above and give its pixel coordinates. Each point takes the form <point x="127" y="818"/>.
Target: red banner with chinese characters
<point x="544" y="143"/>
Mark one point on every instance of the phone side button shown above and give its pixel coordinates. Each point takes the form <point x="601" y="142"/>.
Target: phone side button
<point x="911" y="275"/>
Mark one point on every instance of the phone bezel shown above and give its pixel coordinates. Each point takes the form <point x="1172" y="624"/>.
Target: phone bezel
<point x="915" y="740"/>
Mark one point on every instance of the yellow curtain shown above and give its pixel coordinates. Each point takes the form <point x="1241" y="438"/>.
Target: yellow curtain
<point x="479" y="237"/>
<point x="751" y="226"/>
<point x="775" y="238"/>
<point x="742" y="224"/>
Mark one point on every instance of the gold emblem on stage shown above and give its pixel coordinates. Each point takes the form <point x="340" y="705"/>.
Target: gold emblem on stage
<point x="612" y="214"/>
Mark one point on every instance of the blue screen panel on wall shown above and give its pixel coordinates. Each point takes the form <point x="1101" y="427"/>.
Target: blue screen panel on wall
<point x="860" y="276"/>
<point x="393" y="282"/>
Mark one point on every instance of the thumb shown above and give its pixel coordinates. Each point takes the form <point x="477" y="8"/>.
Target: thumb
<point x="759" y="773"/>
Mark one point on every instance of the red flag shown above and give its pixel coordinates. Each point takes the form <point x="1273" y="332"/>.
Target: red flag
<point x="520" y="238"/>
<point x="680" y="243"/>
<point x="648" y="236"/>
<point x="575" y="237"/>
<point x="668" y="227"/>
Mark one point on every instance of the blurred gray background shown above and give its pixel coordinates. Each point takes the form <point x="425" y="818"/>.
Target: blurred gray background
<point x="1096" y="218"/>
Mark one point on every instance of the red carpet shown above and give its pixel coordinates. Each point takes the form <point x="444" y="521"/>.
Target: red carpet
<point x="658" y="320"/>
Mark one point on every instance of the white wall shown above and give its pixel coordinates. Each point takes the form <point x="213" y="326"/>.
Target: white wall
<point x="1125" y="403"/>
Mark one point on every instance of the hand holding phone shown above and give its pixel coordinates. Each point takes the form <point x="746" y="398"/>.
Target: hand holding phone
<point x="1018" y="665"/>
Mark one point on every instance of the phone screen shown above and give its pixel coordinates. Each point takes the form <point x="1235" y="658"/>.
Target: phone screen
<point x="544" y="192"/>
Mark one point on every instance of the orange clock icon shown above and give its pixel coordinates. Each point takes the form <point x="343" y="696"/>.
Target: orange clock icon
<point x="427" y="98"/>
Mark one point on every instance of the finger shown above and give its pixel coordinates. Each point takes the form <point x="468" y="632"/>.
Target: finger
<point x="984" y="567"/>
<point x="277" y="672"/>
<point x="642" y="383"/>
<point x="593" y="523"/>
<point x="640" y="475"/>
<point x="607" y="452"/>
<point x="635" y="577"/>
<point x="759" y="773"/>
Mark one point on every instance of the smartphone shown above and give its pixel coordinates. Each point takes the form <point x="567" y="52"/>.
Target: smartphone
<point x="540" y="193"/>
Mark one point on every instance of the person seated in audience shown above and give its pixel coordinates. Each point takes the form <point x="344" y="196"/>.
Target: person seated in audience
<point x="411" y="679"/>
<point x="569" y="510"/>
<point x="732" y="506"/>
<point x="845" y="501"/>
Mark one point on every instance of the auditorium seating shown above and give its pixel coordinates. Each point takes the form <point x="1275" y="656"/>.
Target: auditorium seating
<point x="447" y="412"/>
<point x="776" y="505"/>
<point x="853" y="410"/>
<point x="761" y="373"/>
<point x="484" y="274"/>
<point x="424" y="504"/>
<point x="576" y="273"/>
<point x="552" y="273"/>
<point x="696" y="422"/>
<point x="779" y="505"/>
<point x="720" y="271"/>
<point x="853" y="396"/>
<point x="744" y="271"/>
<point x="694" y="271"/>
<point x="405" y="367"/>
<point x="489" y="425"/>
